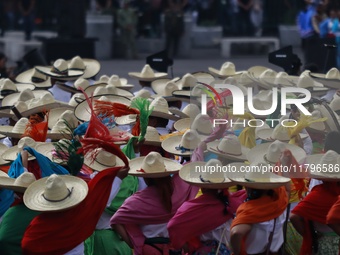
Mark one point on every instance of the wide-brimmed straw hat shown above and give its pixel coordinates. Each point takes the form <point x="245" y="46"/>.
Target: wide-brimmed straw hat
<point x="153" y="165"/>
<point x="227" y="69"/>
<point x="12" y="153"/>
<point x="258" y="177"/>
<point x="8" y="87"/>
<point x="60" y="130"/>
<point x="201" y="123"/>
<point x="62" y="113"/>
<point x="19" y="184"/>
<point x="161" y="109"/>
<point x="270" y="152"/>
<point x="330" y="80"/>
<point x="331" y="120"/>
<point x="60" y="71"/>
<point x="203" y="76"/>
<point x="229" y="147"/>
<point x="82" y="110"/>
<point x="208" y="175"/>
<point x="23" y="96"/>
<point x="73" y="87"/>
<point x="152" y="137"/>
<point x="55" y="193"/>
<point x="280" y="133"/>
<point x="118" y="82"/>
<point x="187" y="82"/>
<point x="315" y="88"/>
<point x="103" y="160"/>
<point x="3" y="148"/>
<point x="335" y="104"/>
<point x="317" y="126"/>
<point x="90" y="67"/>
<point x="254" y="72"/>
<point x="164" y="88"/>
<point x="106" y="89"/>
<point x="147" y="74"/>
<point x="182" y="145"/>
<point x="34" y="77"/>
<point x="48" y="150"/>
<point x="15" y="131"/>
<point x="324" y="166"/>
<point x="189" y="111"/>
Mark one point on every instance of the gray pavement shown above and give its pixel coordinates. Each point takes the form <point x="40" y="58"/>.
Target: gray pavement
<point x="200" y="61"/>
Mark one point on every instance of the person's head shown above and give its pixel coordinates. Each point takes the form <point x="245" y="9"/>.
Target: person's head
<point x="295" y="113"/>
<point x="145" y="83"/>
<point x="332" y="142"/>
<point x="157" y="122"/>
<point x="165" y="189"/>
<point x="257" y="193"/>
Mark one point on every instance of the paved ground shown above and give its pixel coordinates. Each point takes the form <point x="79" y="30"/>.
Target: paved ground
<point x="200" y="61"/>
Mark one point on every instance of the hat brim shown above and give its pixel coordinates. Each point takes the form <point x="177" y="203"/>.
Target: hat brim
<point x="141" y="77"/>
<point x="11" y="153"/>
<point x="6" y="112"/>
<point x="34" y="200"/>
<point x="71" y="74"/>
<point x="189" y="174"/>
<point x="203" y="77"/>
<point x="170" y="143"/>
<point x="58" y="136"/>
<point x="330" y="122"/>
<point x="46" y="149"/>
<point x="213" y="147"/>
<point x="3" y="162"/>
<point x="82" y="110"/>
<point x="67" y="88"/>
<point x="92" y="68"/>
<point x="3" y="174"/>
<point x="164" y="115"/>
<point x="171" y="167"/>
<point x="219" y="74"/>
<point x="95" y="165"/>
<point x="313" y="161"/>
<point x="126" y="120"/>
<point x="26" y="77"/>
<point x="46" y="107"/>
<point x="20" y="87"/>
<point x="55" y="114"/>
<point x="178" y="112"/>
<point x="277" y="182"/>
<point x="11" y="99"/>
<point x="267" y="135"/>
<point x="120" y="92"/>
<point x="329" y="83"/>
<point x="7" y="131"/>
<point x="182" y="124"/>
<point x="257" y="154"/>
<point x="9" y="183"/>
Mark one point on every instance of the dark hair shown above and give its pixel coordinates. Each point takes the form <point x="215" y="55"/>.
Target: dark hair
<point x="158" y="122"/>
<point x="2" y="56"/>
<point x="165" y="189"/>
<point x="257" y="193"/>
<point x="332" y="142"/>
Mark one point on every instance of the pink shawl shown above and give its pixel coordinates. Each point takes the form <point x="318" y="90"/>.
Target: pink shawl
<point x="145" y="207"/>
<point x="201" y="215"/>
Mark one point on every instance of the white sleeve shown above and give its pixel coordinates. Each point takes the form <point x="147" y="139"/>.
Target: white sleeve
<point x="114" y="190"/>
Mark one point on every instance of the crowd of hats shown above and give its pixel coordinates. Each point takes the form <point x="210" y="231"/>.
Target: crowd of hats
<point x="28" y="95"/>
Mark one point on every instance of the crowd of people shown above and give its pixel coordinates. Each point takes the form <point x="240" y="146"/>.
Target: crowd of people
<point x="90" y="165"/>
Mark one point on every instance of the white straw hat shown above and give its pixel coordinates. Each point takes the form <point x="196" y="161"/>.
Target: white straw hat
<point x="201" y="123"/>
<point x="270" y="152"/>
<point x="8" y="87"/>
<point x="187" y="82"/>
<point x="331" y="79"/>
<point x="206" y="174"/>
<point x="118" y="82"/>
<point x="164" y="88"/>
<point x="19" y="184"/>
<point x="90" y="67"/>
<point x="59" y="130"/>
<point x="324" y="166"/>
<point x="103" y="161"/>
<point x="23" y="96"/>
<point x="317" y="126"/>
<point x="266" y="77"/>
<point x="278" y="133"/>
<point x="152" y="137"/>
<point x="48" y="150"/>
<point x="76" y="87"/>
<point x="203" y="77"/>
<point x="182" y="145"/>
<point x="147" y="74"/>
<point x="227" y="69"/>
<point x="76" y="99"/>
<point x="106" y="89"/>
<point x="161" y="109"/>
<point x="3" y="148"/>
<point x="15" y="131"/>
<point x="229" y="147"/>
<point x="62" y="113"/>
<point x="153" y="165"/>
<point x="258" y="178"/>
<point x="143" y="93"/>
<point x="189" y="111"/>
<point x="55" y="193"/>
<point x="38" y="79"/>
<point x="12" y="153"/>
<point x="60" y="71"/>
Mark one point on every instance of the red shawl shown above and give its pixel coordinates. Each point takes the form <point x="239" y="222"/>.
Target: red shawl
<point x="190" y="219"/>
<point x="315" y="207"/>
<point x="145" y="207"/>
<point x="333" y="216"/>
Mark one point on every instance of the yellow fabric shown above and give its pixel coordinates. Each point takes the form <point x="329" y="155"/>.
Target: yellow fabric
<point x="247" y="137"/>
<point x="200" y="193"/>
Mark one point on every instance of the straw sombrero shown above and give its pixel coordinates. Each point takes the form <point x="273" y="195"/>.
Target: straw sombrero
<point x="82" y="110"/>
<point x="76" y="99"/>
<point x="278" y="133"/>
<point x="23" y="96"/>
<point x="147" y="74"/>
<point x="60" y="71"/>
<point x="182" y="145"/>
<point x="60" y="130"/>
<point x="8" y="87"/>
<point x="55" y="193"/>
<point x="15" y="131"/>
<point x="152" y="137"/>
<point x="161" y="109"/>
<point x="317" y="126"/>
<point x="229" y="147"/>
<point x="73" y="87"/>
<point x="19" y="184"/>
<point x="164" y="88"/>
<point x="190" y="110"/>
<point x="203" y="77"/>
<point x="103" y="160"/>
<point x="306" y="82"/>
<point x="3" y="174"/>
<point x="11" y="153"/>
<point x="227" y="69"/>
<point x="3" y="148"/>
<point x="254" y="72"/>
<point x="331" y="121"/>
<point x="153" y="165"/>
<point x="48" y="150"/>
<point x="104" y="89"/>
<point x="265" y="78"/>
<point x="201" y="123"/>
<point x="270" y="152"/>
<point x="118" y="82"/>
<point x="34" y="77"/>
<point x="331" y="79"/>
<point x="62" y="113"/>
<point x="324" y="166"/>
<point x="90" y="67"/>
<point x="258" y="177"/>
<point x="200" y="174"/>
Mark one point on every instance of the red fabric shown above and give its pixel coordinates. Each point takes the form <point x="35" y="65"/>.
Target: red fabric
<point x="190" y="219"/>
<point x="56" y="233"/>
<point x="315" y="207"/>
<point x="37" y="128"/>
<point x="262" y="209"/>
<point x="333" y="216"/>
<point x="34" y="168"/>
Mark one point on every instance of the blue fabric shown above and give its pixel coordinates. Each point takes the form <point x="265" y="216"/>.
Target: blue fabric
<point x="304" y="21"/>
<point x="81" y="129"/>
<point x="323" y="27"/>
<point x="6" y="199"/>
